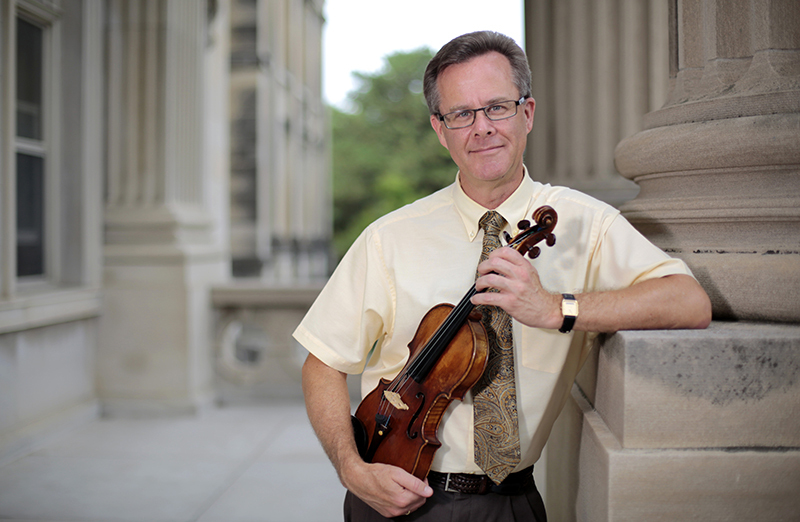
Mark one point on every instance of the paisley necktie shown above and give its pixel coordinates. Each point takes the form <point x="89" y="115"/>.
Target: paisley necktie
<point x="497" y="449"/>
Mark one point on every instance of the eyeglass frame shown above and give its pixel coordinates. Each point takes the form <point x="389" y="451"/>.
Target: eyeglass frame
<point x="517" y="103"/>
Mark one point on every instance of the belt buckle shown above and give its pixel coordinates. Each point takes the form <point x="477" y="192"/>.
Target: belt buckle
<point x="447" y="485"/>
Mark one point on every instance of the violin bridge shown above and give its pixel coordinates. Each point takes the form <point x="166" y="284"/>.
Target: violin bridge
<point x="395" y="400"/>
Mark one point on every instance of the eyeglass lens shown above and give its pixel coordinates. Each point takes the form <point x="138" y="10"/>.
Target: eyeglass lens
<point x="466" y="117"/>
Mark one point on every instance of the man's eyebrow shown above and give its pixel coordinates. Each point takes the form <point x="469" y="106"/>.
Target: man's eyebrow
<point x="464" y="106"/>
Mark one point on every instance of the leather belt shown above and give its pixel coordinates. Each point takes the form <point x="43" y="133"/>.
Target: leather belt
<point x="514" y="484"/>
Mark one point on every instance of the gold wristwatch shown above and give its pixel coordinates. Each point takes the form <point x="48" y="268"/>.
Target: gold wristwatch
<point x="569" y="308"/>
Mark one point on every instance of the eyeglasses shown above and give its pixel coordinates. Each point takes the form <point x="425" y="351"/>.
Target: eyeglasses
<point x="495" y="112"/>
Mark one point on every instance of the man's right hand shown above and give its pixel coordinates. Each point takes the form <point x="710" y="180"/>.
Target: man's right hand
<point x="389" y="490"/>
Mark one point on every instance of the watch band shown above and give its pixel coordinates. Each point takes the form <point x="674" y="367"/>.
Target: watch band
<point x="569" y="308"/>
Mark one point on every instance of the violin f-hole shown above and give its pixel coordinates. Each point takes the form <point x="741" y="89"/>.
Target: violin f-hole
<point x="410" y="435"/>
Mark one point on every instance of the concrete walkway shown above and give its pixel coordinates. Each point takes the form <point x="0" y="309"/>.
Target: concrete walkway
<point x="237" y="464"/>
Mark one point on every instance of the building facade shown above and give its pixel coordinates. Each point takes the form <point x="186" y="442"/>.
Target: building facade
<point x="115" y="199"/>
<point x="152" y="149"/>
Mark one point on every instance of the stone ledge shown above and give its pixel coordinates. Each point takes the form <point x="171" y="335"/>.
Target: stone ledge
<point x="733" y="385"/>
<point x="49" y="308"/>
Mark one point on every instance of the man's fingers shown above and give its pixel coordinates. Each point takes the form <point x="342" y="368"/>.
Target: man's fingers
<point x="413" y="484"/>
<point x="392" y="491"/>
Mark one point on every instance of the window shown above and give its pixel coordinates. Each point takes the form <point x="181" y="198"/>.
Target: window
<point x="51" y="157"/>
<point x="30" y="150"/>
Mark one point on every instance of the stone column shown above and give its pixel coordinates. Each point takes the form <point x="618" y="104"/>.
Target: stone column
<point x="160" y="250"/>
<point x="681" y="425"/>
<point x="702" y="425"/>
<point x="719" y="164"/>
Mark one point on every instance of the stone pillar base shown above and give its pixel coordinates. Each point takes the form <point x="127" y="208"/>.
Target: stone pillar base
<point x="154" y="354"/>
<point x="693" y="425"/>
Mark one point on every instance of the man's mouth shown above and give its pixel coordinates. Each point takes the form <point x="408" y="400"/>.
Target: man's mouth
<point x="487" y="149"/>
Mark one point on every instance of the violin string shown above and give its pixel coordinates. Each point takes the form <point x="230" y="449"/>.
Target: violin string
<point x="444" y="333"/>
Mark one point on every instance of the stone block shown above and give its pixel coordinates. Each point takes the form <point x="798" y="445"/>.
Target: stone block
<point x="734" y="385"/>
<point x="619" y="484"/>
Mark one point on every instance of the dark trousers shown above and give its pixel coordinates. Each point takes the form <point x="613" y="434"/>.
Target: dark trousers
<point x="459" y="507"/>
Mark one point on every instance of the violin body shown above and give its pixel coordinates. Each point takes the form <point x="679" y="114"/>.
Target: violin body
<point x="410" y="440"/>
<point x="397" y="423"/>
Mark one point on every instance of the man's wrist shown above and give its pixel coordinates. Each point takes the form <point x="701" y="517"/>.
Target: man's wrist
<point x="349" y="469"/>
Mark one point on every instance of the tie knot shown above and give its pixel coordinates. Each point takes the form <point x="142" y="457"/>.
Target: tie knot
<point x="492" y="223"/>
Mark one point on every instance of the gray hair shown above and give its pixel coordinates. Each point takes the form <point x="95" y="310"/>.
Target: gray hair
<point x="471" y="45"/>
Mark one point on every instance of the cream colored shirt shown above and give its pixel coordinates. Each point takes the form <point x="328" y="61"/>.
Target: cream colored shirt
<point x="426" y="253"/>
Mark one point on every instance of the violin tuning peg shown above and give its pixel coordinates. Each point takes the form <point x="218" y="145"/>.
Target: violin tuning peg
<point x="507" y="237"/>
<point x="550" y="239"/>
<point x="524" y="224"/>
<point x="534" y="252"/>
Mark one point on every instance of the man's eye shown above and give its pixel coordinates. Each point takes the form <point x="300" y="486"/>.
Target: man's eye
<point x="497" y="109"/>
<point x="463" y="115"/>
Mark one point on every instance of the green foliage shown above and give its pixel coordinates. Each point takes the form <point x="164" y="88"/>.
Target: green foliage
<point x="385" y="154"/>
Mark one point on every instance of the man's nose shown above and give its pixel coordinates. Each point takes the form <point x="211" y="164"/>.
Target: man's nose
<point x="482" y="122"/>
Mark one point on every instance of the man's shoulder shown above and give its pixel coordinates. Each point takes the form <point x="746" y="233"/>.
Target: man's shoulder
<point x="416" y="212"/>
<point x="560" y="196"/>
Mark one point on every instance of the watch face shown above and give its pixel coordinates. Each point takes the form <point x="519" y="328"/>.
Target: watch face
<point x="569" y="307"/>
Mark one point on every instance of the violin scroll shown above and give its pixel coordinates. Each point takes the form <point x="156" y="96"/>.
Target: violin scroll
<point x="545" y="216"/>
<point x="545" y="219"/>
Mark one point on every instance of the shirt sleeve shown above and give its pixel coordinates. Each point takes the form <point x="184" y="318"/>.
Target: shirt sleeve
<point x="353" y="310"/>
<point x="625" y="257"/>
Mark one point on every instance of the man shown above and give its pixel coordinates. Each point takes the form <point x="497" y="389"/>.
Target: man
<point x="478" y="92"/>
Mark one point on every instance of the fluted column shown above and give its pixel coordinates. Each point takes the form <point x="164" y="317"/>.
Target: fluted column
<point x="160" y="251"/>
<point x="719" y="164"/>
<point x="598" y="66"/>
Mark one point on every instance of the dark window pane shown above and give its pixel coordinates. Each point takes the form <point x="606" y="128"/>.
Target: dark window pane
<point x="30" y="215"/>
<point x="29" y="80"/>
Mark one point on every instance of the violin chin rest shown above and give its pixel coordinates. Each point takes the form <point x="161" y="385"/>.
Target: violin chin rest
<point x="360" y="434"/>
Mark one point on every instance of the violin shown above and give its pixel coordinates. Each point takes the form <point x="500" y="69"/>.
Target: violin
<point x="397" y="422"/>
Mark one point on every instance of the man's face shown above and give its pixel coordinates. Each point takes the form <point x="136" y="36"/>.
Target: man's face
<point x="488" y="153"/>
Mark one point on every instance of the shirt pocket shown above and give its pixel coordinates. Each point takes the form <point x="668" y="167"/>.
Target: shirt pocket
<point x="541" y="350"/>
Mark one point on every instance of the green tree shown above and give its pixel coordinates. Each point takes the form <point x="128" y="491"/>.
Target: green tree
<point x="385" y="154"/>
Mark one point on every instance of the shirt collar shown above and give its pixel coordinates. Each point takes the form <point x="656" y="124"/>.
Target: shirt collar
<point x="512" y="209"/>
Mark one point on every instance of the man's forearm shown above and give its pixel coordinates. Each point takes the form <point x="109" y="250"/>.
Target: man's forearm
<point x="675" y="301"/>
<point x="328" y="405"/>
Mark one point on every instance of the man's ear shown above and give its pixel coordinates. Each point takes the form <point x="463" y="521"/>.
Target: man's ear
<point x="438" y="126"/>
<point x="530" y="107"/>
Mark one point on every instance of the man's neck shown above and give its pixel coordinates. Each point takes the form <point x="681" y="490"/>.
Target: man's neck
<point x="492" y="194"/>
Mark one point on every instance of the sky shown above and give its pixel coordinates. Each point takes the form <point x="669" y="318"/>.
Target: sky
<point x="359" y="33"/>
